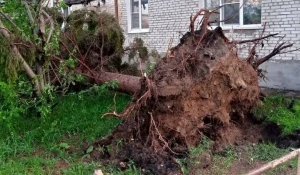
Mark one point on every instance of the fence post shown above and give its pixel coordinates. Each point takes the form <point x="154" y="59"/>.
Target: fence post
<point x="298" y="167"/>
<point x="276" y="162"/>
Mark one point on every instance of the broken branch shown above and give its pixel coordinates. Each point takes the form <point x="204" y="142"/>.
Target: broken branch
<point x="9" y="20"/>
<point x="255" y="39"/>
<point x="276" y="50"/>
<point x="51" y="26"/>
<point x="29" y="13"/>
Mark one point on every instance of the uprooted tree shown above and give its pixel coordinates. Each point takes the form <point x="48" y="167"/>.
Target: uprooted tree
<point x="200" y="88"/>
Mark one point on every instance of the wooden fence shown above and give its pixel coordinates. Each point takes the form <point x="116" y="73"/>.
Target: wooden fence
<point x="276" y="162"/>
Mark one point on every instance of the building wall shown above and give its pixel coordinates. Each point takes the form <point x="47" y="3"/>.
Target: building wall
<point x="283" y="17"/>
<point x="168" y="21"/>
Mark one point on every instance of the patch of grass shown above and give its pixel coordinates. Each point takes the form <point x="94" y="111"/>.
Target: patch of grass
<point x="28" y="165"/>
<point x="80" y="168"/>
<point x="187" y="164"/>
<point x="42" y="143"/>
<point x="223" y="161"/>
<point x="282" y="111"/>
<point x="266" y="152"/>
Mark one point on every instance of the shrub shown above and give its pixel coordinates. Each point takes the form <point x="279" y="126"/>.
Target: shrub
<point x="282" y="111"/>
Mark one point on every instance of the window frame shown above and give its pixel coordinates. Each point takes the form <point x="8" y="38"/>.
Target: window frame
<point x="241" y="24"/>
<point x="129" y="19"/>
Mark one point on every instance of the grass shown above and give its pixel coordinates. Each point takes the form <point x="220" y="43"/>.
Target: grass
<point x="223" y="161"/>
<point x="268" y="152"/>
<point x="41" y="144"/>
<point x="282" y="111"/>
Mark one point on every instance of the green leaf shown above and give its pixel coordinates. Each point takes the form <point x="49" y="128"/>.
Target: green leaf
<point x="90" y="149"/>
<point x="64" y="145"/>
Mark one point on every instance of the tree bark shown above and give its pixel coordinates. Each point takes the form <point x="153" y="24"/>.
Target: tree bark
<point x="127" y="83"/>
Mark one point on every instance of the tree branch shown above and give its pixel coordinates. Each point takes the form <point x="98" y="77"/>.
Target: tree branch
<point x="51" y="26"/>
<point x="276" y="50"/>
<point x="254" y="40"/>
<point x="252" y="52"/>
<point x="18" y="55"/>
<point x="29" y="13"/>
<point x="9" y="20"/>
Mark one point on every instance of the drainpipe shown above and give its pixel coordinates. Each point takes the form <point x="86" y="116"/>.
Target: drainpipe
<point x="117" y="10"/>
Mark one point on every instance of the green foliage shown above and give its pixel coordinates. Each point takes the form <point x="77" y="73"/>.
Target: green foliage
<point x="62" y="4"/>
<point x="150" y="67"/>
<point x="137" y="48"/>
<point x="99" y="90"/>
<point x="67" y="75"/>
<point x="40" y="146"/>
<point x="100" y="27"/>
<point x="9" y="108"/>
<point x="9" y="65"/>
<point x="266" y="152"/>
<point x="16" y="10"/>
<point x="277" y="109"/>
<point x="17" y="102"/>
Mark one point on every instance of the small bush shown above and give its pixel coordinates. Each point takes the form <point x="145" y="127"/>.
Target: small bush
<point x="282" y="111"/>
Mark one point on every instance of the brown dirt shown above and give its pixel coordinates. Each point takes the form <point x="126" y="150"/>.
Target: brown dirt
<point x="200" y="88"/>
<point x="196" y="90"/>
<point x="60" y="165"/>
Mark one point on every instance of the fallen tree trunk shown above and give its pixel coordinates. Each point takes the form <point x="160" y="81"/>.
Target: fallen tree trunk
<point x="199" y="89"/>
<point x="126" y="83"/>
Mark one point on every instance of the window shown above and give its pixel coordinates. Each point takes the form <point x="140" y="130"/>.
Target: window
<point x="236" y="13"/>
<point x="138" y="16"/>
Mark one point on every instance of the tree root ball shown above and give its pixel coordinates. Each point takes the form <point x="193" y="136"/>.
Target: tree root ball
<point x="200" y="88"/>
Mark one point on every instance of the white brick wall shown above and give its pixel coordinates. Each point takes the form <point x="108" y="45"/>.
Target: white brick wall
<point x="167" y="19"/>
<point x="170" y="19"/>
<point x="281" y="16"/>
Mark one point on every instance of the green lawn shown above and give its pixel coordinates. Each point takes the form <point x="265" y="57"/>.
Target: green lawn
<point x="42" y="144"/>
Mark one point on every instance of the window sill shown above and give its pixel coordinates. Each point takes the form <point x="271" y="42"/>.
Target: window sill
<point x="138" y="31"/>
<point x="238" y="27"/>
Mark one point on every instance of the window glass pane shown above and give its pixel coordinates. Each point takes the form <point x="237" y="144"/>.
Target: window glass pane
<point x="135" y="6"/>
<point x="135" y="21"/>
<point x="145" y="13"/>
<point x="135" y="17"/>
<point x="231" y="13"/>
<point x="212" y="4"/>
<point x="252" y="12"/>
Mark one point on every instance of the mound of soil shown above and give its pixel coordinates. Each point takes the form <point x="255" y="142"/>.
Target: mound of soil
<point x="199" y="88"/>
